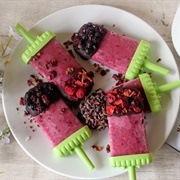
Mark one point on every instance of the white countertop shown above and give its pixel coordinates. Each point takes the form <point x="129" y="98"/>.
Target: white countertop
<point x="14" y="162"/>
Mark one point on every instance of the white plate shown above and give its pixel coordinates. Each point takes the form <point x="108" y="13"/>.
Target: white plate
<point x="64" y="23"/>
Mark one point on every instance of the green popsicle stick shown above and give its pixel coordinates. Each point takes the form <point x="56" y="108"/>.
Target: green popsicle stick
<point x="140" y="61"/>
<point x="131" y="162"/>
<point x="73" y="144"/>
<point x="36" y="44"/>
<point x="153" y="92"/>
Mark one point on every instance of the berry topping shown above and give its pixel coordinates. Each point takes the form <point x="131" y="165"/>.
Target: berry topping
<point x="122" y="101"/>
<point x="87" y="40"/>
<point x="78" y="86"/>
<point x="40" y="97"/>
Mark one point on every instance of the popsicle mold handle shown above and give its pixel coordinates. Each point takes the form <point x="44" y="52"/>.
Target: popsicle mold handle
<point x="79" y="151"/>
<point x="73" y="144"/>
<point x="131" y="162"/>
<point x="168" y="87"/>
<point x="132" y="173"/>
<point x="137" y="62"/>
<point x="150" y="91"/>
<point x="156" y="68"/>
<point x="36" y="44"/>
<point x="140" y="61"/>
<point x="24" y="33"/>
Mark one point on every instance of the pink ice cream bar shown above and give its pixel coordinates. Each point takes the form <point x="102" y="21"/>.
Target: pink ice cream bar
<point x="123" y="54"/>
<point x="127" y="134"/>
<point x="55" y="64"/>
<point x="127" y="131"/>
<point x="57" y="121"/>
<point x="126" y="121"/>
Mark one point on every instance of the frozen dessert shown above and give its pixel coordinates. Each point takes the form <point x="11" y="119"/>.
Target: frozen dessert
<point x="55" y="64"/>
<point x="57" y="121"/>
<point x="127" y="131"/>
<point x="123" y="54"/>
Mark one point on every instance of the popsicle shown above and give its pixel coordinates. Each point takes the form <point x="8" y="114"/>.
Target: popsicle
<point x="62" y="127"/>
<point x="123" y="54"/>
<point x="128" y="142"/>
<point x="55" y="64"/>
<point x="150" y="92"/>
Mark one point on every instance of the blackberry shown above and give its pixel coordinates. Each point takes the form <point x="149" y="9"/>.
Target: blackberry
<point x="87" y="40"/>
<point x="40" y="97"/>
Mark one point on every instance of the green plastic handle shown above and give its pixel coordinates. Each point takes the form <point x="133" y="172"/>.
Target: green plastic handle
<point x="79" y="151"/>
<point x="140" y="61"/>
<point x="168" y="87"/>
<point x="152" y="92"/>
<point x="132" y="173"/>
<point x="36" y="44"/>
<point x="24" y="33"/>
<point x="130" y="162"/>
<point x="73" y="144"/>
<point x="153" y="67"/>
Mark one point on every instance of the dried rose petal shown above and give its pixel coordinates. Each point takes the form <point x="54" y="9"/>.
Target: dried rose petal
<point x="123" y="101"/>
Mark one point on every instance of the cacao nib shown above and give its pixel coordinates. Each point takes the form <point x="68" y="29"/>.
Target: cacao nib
<point x="93" y="110"/>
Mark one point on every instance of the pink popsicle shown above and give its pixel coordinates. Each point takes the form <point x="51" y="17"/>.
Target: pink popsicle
<point x="127" y="131"/>
<point x="58" y="122"/>
<point x="55" y="64"/>
<point x="55" y="118"/>
<point x="126" y="121"/>
<point x="116" y="51"/>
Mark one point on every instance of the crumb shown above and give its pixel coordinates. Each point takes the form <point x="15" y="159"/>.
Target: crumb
<point x="164" y="23"/>
<point x="67" y="44"/>
<point x="21" y="101"/>
<point x="103" y="72"/>
<point x="71" y="53"/>
<point x="120" y="78"/>
<point x="178" y="129"/>
<point x="97" y="148"/>
<point x="108" y="148"/>
<point x="34" y="80"/>
<point x="159" y="59"/>
<point x="98" y="68"/>
<point x="27" y="138"/>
